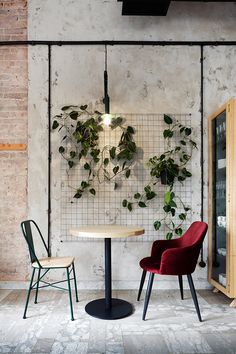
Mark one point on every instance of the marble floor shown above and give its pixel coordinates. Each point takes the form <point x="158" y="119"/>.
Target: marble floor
<point x="171" y="326"/>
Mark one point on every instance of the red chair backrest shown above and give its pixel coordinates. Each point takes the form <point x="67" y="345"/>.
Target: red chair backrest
<point x="194" y="235"/>
<point x="182" y="258"/>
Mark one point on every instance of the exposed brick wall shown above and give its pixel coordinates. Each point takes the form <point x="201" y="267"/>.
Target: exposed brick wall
<point x="13" y="122"/>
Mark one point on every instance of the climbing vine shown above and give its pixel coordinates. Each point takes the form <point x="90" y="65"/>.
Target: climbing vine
<point x="80" y="131"/>
<point x="168" y="168"/>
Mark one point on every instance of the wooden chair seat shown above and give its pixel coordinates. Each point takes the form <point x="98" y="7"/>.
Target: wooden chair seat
<point x="54" y="262"/>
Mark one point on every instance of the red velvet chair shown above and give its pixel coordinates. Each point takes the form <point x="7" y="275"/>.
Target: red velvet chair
<point x="174" y="257"/>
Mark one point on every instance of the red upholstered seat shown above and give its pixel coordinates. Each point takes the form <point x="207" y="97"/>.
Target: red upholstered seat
<point x="150" y="264"/>
<point x="174" y="257"/>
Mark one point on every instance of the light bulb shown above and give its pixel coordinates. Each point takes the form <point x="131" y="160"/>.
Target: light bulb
<point x="107" y="118"/>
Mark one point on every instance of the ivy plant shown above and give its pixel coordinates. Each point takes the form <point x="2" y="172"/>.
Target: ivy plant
<point x="169" y="168"/>
<point x="80" y="131"/>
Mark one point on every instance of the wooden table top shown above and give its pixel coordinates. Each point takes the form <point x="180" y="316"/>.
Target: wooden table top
<point x="107" y="231"/>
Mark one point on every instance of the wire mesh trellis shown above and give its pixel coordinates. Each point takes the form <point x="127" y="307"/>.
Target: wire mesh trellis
<point x="106" y="206"/>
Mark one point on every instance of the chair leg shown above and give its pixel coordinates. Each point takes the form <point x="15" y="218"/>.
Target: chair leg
<point x="148" y="294"/>
<point x="28" y="295"/>
<point x="181" y="286"/>
<point x="141" y="284"/>
<point x="76" y="292"/>
<point x="37" y="288"/>
<point x="70" y="297"/>
<point x="194" y="296"/>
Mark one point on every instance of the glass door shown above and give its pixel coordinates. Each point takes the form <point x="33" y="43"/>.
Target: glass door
<point x="219" y="198"/>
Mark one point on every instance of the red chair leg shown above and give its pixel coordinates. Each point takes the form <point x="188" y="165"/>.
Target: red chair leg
<point x="148" y="294"/>
<point x="141" y="284"/>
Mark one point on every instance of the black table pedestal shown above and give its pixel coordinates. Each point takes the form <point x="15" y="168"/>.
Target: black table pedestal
<point x="108" y="308"/>
<point x="119" y="309"/>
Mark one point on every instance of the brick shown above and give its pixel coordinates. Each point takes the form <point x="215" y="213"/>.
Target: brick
<point x="13" y="121"/>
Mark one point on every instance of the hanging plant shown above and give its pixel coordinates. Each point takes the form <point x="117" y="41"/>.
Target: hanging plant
<point x="80" y="130"/>
<point x="168" y="168"/>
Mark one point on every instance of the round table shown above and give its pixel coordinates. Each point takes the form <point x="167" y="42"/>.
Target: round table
<point x="108" y="308"/>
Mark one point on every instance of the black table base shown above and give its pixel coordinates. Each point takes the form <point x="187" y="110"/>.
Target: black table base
<point x="119" y="309"/>
<point x="108" y="308"/>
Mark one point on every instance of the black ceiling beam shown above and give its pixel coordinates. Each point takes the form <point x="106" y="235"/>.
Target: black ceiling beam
<point x="153" y="7"/>
<point x="145" y="7"/>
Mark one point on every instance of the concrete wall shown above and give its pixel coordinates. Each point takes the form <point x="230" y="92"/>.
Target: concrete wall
<point x="170" y="76"/>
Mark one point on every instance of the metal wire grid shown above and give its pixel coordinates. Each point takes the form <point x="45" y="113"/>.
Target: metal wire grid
<point x="106" y="206"/>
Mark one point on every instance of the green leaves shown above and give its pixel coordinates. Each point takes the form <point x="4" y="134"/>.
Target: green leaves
<point x="55" y="124"/>
<point x="87" y="166"/>
<point x="84" y="107"/>
<point x="167" y="197"/>
<point x="127" y="173"/>
<point x="129" y="206"/>
<point x="116" y="122"/>
<point x="106" y="161"/>
<point x="167" y="208"/>
<point x="178" y="231"/>
<point x="142" y="204"/>
<point x="182" y="216"/>
<point x="169" y="167"/>
<point x="84" y="184"/>
<point x="168" y="119"/>
<point x="112" y="152"/>
<point x="92" y="191"/>
<point x="72" y="154"/>
<point x="186" y="173"/>
<point x="115" y="170"/>
<point x="124" y="203"/>
<point x="81" y="128"/>
<point x="74" y="115"/>
<point x="168" y="133"/>
<point x="157" y="225"/>
<point x="78" y="194"/>
<point x="169" y="235"/>
<point x="65" y="108"/>
<point x="188" y="131"/>
<point x="150" y="195"/>
<point x="130" y="130"/>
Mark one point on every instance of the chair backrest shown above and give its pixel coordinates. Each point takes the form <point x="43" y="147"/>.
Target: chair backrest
<point x="182" y="258"/>
<point x="26" y="227"/>
<point x="194" y="235"/>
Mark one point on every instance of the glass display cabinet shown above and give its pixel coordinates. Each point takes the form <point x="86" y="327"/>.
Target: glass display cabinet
<point x="222" y="200"/>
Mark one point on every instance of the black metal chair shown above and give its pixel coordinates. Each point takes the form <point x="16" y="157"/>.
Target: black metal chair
<point x="45" y="264"/>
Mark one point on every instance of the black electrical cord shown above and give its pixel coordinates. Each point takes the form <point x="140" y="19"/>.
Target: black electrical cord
<point x="106" y="99"/>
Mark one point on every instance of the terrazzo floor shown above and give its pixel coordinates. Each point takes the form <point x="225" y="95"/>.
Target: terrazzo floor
<point x="171" y="326"/>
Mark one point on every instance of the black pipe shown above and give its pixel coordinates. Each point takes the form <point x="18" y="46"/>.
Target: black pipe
<point x="119" y="42"/>
<point x="49" y="150"/>
<point x="202" y="264"/>
<point x="108" y="292"/>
